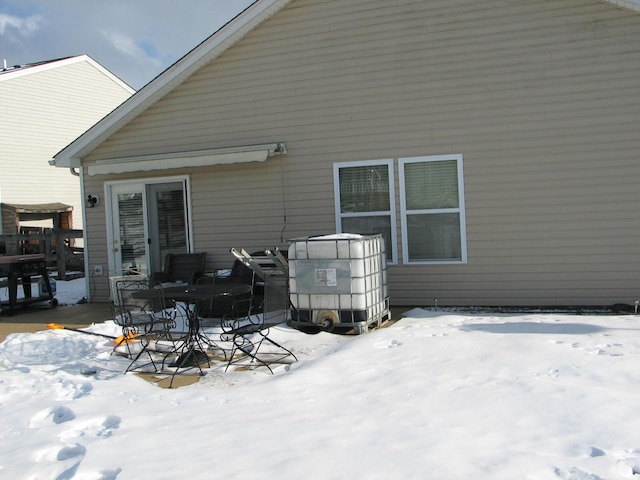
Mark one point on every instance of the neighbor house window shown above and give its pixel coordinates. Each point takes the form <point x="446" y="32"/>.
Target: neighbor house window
<point x="432" y="207"/>
<point x="364" y="196"/>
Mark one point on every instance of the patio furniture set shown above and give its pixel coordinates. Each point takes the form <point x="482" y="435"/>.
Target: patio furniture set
<point x="175" y="321"/>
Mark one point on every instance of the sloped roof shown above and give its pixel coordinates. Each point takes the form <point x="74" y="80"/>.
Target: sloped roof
<point x="16" y="71"/>
<point x="223" y="39"/>
<point x="22" y="68"/>
<point x="214" y="46"/>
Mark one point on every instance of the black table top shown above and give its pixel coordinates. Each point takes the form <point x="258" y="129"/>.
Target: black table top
<point x="194" y="293"/>
<point x="189" y="293"/>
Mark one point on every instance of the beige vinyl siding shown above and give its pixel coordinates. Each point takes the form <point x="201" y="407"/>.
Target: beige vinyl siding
<point x="541" y="98"/>
<point x="40" y="114"/>
<point x="95" y="241"/>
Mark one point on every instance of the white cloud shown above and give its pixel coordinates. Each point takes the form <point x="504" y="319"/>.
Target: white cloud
<point x="135" y="40"/>
<point x="127" y="45"/>
<point x="24" y="26"/>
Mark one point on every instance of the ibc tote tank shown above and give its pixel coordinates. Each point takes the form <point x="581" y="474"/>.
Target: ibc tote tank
<point x="338" y="281"/>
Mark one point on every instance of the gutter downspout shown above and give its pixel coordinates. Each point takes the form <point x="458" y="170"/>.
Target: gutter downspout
<point x="87" y="280"/>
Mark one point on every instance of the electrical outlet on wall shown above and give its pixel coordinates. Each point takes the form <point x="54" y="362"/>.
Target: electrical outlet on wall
<point x="97" y="270"/>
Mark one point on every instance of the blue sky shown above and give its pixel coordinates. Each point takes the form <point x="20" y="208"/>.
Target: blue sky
<point x="134" y="39"/>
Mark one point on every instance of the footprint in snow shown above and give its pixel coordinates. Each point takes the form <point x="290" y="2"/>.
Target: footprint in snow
<point x="70" y="390"/>
<point x="95" y="427"/>
<point x="629" y="463"/>
<point x="608" y="349"/>
<point x="576" y="474"/>
<point x="59" y="414"/>
<point x="388" y="344"/>
<point x="106" y="474"/>
<point x="61" y="461"/>
<point x="629" y="466"/>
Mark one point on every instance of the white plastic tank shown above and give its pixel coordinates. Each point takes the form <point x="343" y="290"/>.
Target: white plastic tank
<point x="339" y="280"/>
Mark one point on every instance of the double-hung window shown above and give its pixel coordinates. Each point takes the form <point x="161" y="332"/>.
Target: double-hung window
<point x="432" y="208"/>
<point x="365" y="200"/>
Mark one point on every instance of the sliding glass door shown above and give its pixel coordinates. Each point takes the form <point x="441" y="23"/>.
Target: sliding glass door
<point x="147" y="221"/>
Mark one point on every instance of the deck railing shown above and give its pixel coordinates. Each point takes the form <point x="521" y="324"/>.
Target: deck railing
<point x="58" y="246"/>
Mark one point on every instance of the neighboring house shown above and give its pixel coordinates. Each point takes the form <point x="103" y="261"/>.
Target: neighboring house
<point x="495" y="144"/>
<point x="43" y="107"/>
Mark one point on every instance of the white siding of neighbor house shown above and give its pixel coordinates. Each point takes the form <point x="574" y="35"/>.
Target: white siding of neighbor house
<point x="541" y="98"/>
<point x="41" y="113"/>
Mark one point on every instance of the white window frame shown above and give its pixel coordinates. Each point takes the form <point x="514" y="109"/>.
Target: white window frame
<point x="339" y="215"/>
<point x="405" y="213"/>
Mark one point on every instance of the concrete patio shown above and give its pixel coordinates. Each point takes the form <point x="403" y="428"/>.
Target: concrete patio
<point x="35" y="318"/>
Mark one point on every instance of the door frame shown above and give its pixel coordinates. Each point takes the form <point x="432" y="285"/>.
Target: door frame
<point x="143" y="182"/>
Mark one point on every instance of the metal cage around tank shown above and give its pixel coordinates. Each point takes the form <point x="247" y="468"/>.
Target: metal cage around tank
<point x="338" y="281"/>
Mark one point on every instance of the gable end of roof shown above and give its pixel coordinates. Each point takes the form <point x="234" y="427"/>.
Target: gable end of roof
<point x="18" y="71"/>
<point x="211" y="48"/>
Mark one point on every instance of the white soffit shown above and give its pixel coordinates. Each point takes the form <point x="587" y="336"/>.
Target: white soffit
<point x="198" y="158"/>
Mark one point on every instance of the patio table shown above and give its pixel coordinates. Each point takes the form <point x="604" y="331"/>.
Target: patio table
<point x="187" y="298"/>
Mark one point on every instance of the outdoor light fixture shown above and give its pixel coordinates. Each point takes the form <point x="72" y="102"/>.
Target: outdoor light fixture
<point x="92" y="201"/>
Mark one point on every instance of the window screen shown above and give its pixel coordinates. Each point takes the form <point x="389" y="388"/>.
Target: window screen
<point x="432" y="207"/>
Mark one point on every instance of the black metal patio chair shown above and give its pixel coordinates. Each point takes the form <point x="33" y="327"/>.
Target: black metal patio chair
<point x="181" y="267"/>
<point x="146" y="321"/>
<point x="248" y="334"/>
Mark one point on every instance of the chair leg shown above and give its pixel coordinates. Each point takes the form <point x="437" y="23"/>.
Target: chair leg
<point x="140" y="339"/>
<point x="246" y="346"/>
<point x="240" y="341"/>
<point x="135" y="359"/>
<point x="289" y="352"/>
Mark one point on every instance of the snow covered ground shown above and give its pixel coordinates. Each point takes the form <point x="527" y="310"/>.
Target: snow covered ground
<point x="437" y="395"/>
<point x="67" y="292"/>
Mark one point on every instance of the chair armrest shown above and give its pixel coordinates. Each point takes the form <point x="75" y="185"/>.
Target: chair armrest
<point x="223" y="280"/>
<point x="195" y="277"/>
<point x="205" y="279"/>
<point x="160" y="277"/>
<point x="221" y="275"/>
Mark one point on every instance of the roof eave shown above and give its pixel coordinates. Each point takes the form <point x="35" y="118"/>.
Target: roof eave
<point x="254" y="15"/>
<point x="627" y="4"/>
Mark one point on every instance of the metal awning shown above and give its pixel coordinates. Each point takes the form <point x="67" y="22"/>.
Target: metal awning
<point x="191" y="159"/>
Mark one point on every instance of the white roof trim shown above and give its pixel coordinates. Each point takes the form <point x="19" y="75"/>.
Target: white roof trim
<point x="198" y="158"/>
<point x="628" y="4"/>
<point x="254" y="15"/>
<point x="30" y="70"/>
